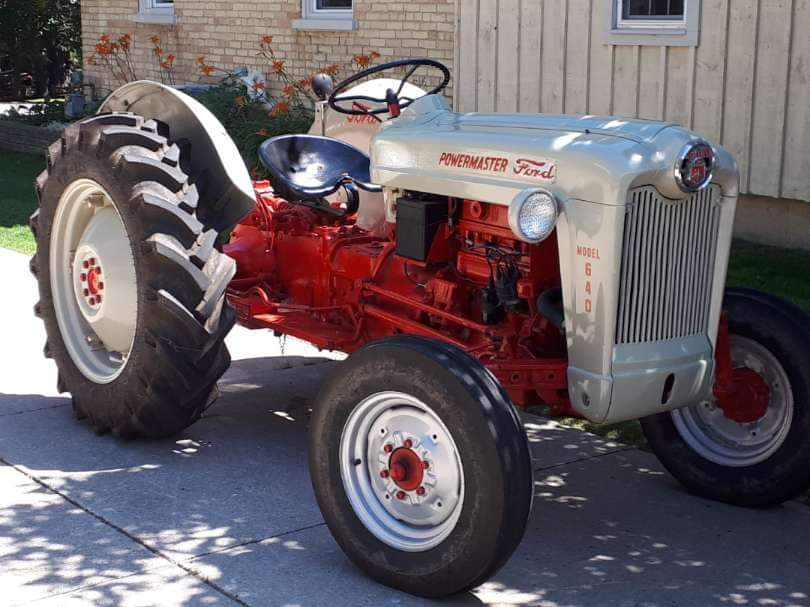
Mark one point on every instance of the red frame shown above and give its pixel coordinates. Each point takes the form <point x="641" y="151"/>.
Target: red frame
<point x="327" y="281"/>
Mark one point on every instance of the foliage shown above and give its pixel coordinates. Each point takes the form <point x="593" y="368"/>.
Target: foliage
<point x="18" y="199"/>
<point x="116" y="56"/>
<point x="38" y="114"/>
<point x="41" y="37"/>
<point x="250" y="123"/>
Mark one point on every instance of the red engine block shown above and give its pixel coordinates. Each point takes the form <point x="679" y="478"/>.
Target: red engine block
<point x="329" y="282"/>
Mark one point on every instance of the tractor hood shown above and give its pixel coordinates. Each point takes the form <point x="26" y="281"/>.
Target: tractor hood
<point x="494" y="157"/>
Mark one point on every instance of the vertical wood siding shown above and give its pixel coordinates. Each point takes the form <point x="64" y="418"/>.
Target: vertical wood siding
<point x="746" y="86"/>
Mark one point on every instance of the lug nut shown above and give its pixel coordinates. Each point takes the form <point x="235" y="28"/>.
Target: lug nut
<point x="86" y="292"/>
<point x="400" y="495"/>
<point x="85" y="264"/>
<point x="83" y="277"/>
<point x="92" y="261"/>
<point x="98" y="270"/>
<point x="425" y="465"/>
<point x="98" y="298"/>
<point x="420" y="491"/>
<point x="100" y="286"/>
<point x="388" y="448"/>
<point x="407" y="443"/>
<point x="385" y="474"/>
<point x="92" y="301"/>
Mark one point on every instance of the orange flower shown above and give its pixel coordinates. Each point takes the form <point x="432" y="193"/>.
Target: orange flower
<point x="289" y="90"/>
<point x="362" y="60"/>
<point x="262" y="132"/>
<point x="104" y="38"/>
<point x="125" y="41"/>
<point x="279" y="108"/>
<point x="170" y="59"/>
<point x="104" y="49"/>
<point x="155" y="39"/>
<point x="278" y="66"/>
<point x="201" y="60"/>
<point x="268" y="40"/>
<point x="305" y="82"/>
<point x="375" y="55"/>
<point x="207" y="70"/>
<point x="158" y="51"/>
<point x="240" y="101"/>
<point x="331" y="69"/>
<point x="258" y="85"/>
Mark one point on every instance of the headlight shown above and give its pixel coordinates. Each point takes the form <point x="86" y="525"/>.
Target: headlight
<point x="533" y="214"/>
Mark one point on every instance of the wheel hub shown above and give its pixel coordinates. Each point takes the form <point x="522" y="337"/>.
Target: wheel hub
<point x="93" y="281"/>
<point x="402" y="472"/>
<point x="747" y="402"/>
<point x="750" y="425"/>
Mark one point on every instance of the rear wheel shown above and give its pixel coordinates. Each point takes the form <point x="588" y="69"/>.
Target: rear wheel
<point x="755" y="450"/>
<point x="420" y="465"/>
<point x="132" y="290"/>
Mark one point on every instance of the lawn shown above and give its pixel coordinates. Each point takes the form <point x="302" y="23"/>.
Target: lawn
<point x="18" y="199"/>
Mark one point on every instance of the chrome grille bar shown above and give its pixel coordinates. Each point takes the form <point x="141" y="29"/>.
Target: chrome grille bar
<point x="668" y="260"/>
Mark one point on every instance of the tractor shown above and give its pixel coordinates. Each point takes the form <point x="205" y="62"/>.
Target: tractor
<point x="469" y="264"/>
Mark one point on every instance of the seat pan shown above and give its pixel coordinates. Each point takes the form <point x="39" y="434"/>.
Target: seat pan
<point x="309" y="167"/>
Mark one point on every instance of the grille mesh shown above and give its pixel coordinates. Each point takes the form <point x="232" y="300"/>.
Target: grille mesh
<point x="667" y="266"/>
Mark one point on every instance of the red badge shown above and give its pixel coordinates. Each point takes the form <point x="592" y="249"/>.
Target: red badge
<point x="695" y="166"/>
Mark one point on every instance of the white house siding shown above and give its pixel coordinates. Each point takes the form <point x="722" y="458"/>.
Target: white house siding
<point x="746" y="85"/>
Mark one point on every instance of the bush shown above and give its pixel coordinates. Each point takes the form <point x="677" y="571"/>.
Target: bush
<point x="249" y="123"/>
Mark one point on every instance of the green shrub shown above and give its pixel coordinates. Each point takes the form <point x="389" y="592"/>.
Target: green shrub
<point x="249" y="123"/>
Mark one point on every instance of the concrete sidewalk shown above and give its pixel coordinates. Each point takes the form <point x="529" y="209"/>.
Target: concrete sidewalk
<point x="224" y="514"/>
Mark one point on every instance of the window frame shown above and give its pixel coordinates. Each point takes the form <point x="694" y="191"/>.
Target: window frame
<point x="155" y="11"/>
<point x="650" y="21"/>
<point x="653" y="31"/>
<point x="325" y="19"/>
<point x="310" y="10"/>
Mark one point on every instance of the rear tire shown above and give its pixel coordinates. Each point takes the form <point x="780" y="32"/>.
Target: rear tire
<point x="420" y="401"/>
<point x="763" y="463"/>
<point x="165" y="280"/>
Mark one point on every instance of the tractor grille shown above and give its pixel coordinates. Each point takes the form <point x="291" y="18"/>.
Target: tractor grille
<point x="667" y="266"/>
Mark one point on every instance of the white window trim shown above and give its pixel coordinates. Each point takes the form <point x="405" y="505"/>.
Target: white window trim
<point x="653" y="32"/>
<point x="313" y="18"/>
<point x="154" y="11"/>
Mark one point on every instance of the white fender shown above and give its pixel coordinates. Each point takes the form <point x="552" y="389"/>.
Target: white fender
<point x="213" y="153"/>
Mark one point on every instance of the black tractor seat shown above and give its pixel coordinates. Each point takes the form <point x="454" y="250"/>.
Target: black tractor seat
<point x="307" y="168"/>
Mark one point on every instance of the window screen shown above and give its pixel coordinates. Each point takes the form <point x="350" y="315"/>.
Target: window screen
<point x="332" y="4"/>
<point x="652" y="9"/>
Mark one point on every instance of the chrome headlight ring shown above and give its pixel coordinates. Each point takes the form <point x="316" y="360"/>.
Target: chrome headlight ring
<point x="533" y="215"/>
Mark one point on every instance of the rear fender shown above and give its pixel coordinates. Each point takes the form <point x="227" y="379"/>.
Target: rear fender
<point x="214" y="158"/>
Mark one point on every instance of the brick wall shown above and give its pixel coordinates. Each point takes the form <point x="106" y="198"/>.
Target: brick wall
<point x="227" y="34"/>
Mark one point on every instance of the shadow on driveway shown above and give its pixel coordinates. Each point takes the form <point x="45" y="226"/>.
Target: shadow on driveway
<point x="224" y="514"/>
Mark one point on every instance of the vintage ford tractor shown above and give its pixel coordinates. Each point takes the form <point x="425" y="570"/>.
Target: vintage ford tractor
<point x="469" y="263"/>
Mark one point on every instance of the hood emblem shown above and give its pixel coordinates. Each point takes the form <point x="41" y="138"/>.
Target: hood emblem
<point x="695" y="167"/>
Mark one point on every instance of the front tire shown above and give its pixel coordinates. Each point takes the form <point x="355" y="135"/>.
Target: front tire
<point x="759" y="463"/>
<point x="132" y="290"/>
<point x="420" y="465"/>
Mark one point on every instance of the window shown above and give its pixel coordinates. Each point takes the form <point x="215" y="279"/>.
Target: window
<point x="155" y="11"/>
<point x="326" y="15"/>
<point x="651" y="13"/>
<point x="653" y="22"/>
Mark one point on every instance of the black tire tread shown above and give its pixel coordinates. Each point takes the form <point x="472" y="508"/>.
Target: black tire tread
<point x="184" y="317"/>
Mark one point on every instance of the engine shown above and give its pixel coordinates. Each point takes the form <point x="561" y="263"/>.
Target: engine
<point x="448" y="268"/>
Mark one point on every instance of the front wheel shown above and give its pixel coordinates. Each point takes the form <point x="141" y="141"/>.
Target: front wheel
<point x="755" y="450"/>
<point x="421" y="466"/>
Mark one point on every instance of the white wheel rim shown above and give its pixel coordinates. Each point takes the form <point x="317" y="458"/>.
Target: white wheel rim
<point x="412" y="520"/>
<point x="93" y="281"/>
<point x="721" y="440"/>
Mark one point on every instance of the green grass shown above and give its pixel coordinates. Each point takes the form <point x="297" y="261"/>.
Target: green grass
<point x="782" y="272"/>
<point x="18" y="199"/>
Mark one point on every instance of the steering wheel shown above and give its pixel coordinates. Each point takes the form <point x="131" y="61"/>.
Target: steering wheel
<point x="394" y="102"/>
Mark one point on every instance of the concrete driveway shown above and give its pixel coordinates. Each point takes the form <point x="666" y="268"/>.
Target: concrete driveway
<point x="224" y="514"/>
